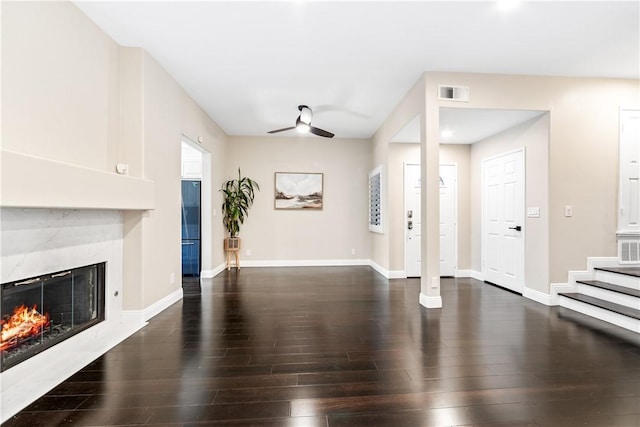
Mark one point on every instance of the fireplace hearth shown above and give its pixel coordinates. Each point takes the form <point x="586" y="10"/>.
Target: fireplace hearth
<point x="39" y="312"/>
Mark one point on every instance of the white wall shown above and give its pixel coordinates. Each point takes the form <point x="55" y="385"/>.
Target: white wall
<point x="303" y="235"/>
<point x="191" y="162"/>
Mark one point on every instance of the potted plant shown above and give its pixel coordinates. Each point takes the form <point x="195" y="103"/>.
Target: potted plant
<point x="238" y="197"/>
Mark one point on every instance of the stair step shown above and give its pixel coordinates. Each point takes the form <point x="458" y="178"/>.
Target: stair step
<point x="611" y="287"/>
<point x="597" y="302"/>
<point x="627" y="271"/>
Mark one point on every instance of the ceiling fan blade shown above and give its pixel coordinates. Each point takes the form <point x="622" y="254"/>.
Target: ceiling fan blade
<point x="281" y="130"/>
<point x="320" y="132"/>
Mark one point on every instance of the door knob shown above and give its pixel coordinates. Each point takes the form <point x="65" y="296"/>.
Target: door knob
<point x="517" y="228"/>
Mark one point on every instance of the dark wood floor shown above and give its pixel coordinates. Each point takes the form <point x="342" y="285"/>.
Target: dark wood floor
<point x="344" y="347"/>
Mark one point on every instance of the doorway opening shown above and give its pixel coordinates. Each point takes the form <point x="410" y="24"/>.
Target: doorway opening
<point x="195" y="214"/>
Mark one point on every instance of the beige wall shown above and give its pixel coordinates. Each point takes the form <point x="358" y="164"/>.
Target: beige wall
<point x="329" y="234"/>
<point x="70" y="94"/>
<point x="59" y="84"/>
<point x="533" y="136"/>
<point x="403" y="113"/>
<point x="153" y="240"/>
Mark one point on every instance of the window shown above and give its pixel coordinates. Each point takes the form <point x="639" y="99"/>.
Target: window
<point x="375" y="200"/>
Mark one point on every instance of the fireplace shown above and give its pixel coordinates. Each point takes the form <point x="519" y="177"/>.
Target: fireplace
<point x="39" y="312"/>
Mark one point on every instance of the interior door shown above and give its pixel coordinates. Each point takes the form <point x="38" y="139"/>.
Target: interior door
<point x="412" y="190"/>
<point x="629" y="212"/>
<point x="413" y="228"/>
<point x="503" y="220"/>
<point x="448" y="177"/>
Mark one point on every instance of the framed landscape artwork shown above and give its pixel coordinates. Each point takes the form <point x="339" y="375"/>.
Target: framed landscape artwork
<point x="298" y="190"/>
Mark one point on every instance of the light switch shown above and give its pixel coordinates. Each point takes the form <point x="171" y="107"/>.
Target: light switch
<point x="533" y="212"/>
<point x="568" y="211"/>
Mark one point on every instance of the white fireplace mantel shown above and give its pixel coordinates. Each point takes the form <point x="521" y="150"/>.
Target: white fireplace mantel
<point x="37" y="241"/>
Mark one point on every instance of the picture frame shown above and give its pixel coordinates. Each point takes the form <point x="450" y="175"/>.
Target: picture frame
<point x="298" y="191"/>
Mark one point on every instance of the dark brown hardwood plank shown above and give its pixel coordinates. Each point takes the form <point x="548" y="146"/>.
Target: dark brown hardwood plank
<point x="342" y="346"/>
<point x="269" y="422"/>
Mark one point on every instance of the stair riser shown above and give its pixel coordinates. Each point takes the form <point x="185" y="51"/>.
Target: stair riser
<point x="617" y="279"/>
<point x="599" y="313"/>
<point x="607" y="295"/>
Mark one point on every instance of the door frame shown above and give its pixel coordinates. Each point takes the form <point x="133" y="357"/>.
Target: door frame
<point x="206" y="209"/>
<point x="524" y="217"/>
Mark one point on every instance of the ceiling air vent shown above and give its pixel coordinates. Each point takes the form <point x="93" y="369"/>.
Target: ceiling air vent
<point x="453" y="93"/>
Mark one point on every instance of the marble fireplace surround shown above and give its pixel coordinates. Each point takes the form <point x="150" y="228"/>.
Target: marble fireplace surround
<point x="39" y="241"/>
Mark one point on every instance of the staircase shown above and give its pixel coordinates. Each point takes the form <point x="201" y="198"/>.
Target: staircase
<point x="612" y="294"/>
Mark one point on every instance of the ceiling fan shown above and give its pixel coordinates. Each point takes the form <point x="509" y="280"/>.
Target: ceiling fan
<point x="303" y="124"/>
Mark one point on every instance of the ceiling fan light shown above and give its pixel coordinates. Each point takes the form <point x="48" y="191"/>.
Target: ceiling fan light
<point x="302" y="127"/>
<point x="305" y="114"/>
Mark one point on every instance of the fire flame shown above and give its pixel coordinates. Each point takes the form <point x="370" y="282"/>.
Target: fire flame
<point x="24" y="322"/>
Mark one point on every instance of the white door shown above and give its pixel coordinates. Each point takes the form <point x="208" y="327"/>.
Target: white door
<point x="503" y="220"/>
<point x="448" y="178"/>
<point x="412" y="189"/>
<point x="629" y="212"/>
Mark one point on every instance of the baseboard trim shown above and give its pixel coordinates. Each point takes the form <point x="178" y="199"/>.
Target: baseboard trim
<point x="537" y="296"/>
<point x="397" y="274"/>
<point x="476" y="275"/>
<point x="557" y="288"/>
<point x="209" y="274"/>
<point x="380" y="269"/>
<point x="305" y="263"/>
<point x="464" y="273"/>
<point x="430" y="301"/>
<point x="593" y="262"/>
<point x="158" y="306"/>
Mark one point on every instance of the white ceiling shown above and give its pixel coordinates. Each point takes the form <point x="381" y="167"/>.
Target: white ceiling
<point x="250" y="64"/>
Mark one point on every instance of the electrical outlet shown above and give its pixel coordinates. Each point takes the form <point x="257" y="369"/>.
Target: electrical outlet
<point x="353" y="251"/>
<point x="435" y="282"/>
<point x="172" y="278"/>
<point x="248" y="252"/>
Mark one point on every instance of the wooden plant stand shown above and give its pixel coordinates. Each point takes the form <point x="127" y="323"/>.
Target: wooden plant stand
<point x="232" y="248"/>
